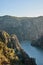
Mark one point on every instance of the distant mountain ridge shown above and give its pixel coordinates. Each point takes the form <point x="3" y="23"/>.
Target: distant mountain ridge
<point x="26" y="28"/>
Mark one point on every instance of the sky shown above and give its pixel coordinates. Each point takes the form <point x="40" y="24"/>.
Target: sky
<point x="21" y="8"/>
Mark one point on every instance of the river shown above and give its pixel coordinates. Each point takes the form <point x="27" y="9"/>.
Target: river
<point x="33" y="52"/>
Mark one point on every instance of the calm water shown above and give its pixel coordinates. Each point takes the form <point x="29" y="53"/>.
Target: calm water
<point x="33" y="52"/>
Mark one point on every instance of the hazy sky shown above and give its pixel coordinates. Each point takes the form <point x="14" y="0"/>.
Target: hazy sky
<point x="21" y="7"/>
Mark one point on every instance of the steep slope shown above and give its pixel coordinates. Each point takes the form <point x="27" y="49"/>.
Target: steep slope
<point x="38" y="42"/>
<point x="9" y="51"/>
<point x="26" y="28"/>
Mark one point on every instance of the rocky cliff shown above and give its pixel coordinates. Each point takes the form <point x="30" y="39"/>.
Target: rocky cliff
<point x="26" y="28"/>
<point x="38" y="42"/>
<point x="11" y="52"/>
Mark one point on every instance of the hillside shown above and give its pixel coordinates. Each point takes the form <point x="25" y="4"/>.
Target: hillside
<point x="11" y="52"/>
<point x="26" y="28"/>
<point x="38" y="42"/>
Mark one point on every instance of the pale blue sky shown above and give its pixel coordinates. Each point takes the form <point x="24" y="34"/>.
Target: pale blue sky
<point x="21" y="7"/>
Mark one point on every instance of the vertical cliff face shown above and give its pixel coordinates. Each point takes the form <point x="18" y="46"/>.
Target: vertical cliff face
<point x="38" y="42"/>
<point x="11" y="52"/>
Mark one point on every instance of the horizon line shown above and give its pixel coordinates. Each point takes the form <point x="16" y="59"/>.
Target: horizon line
<point x="22" y="16"/>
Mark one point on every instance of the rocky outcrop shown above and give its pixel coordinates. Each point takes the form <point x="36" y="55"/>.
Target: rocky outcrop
<point x="11" y="52"/>
<point x="7" y="55"/>
<point x="38" y="42"/>
<point x="4" y="36"/>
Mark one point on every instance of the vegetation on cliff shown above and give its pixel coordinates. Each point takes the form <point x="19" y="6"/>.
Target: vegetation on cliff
<point x="11" y="52"/>
<point x="26" y="28"/>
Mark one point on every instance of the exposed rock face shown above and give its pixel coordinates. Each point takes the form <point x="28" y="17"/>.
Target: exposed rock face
<point x="10" y="51"/>
<point x="38" y="42"/>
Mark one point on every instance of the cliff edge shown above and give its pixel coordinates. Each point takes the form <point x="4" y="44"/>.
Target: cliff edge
<point x="11" y="52"/>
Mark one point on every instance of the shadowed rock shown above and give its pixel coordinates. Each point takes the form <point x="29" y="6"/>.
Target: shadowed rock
<point x="38" y="43"/>
<point x="20" y="52"/>
<point x="12" y="51"/>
